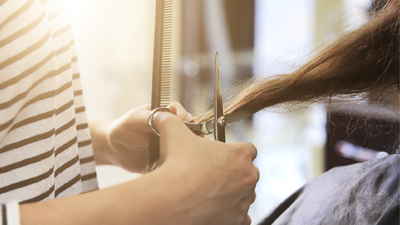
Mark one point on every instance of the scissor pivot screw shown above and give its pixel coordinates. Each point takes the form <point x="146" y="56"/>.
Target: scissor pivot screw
<point x="222" y="122"/>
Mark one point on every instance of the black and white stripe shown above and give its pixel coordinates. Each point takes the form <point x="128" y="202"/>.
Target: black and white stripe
<point x="45" y="145"/>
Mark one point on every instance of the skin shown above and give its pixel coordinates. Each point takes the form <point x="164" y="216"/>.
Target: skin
<point x="200" y="181"/>
<point x="122" y="142"/>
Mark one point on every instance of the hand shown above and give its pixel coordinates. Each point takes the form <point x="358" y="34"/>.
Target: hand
<point x="125" y="139"/>
<point x="220" y="178"/>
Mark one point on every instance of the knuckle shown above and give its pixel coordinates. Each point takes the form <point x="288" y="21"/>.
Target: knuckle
<point x="248" y="220"/>
<point x="244" y="218"/>
<point x="257" y="172"/>
<point x="246" y="149"/>
<point x="133" y="113"/>
<point x="146" y="106"/>
<point x="250" y="174"/>
<point x="242" y="152"/>
<point x="253" y="179"/>
<point x="252" y="148"/>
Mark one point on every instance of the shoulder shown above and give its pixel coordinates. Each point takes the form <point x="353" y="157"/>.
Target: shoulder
<point x="361" y="193"/>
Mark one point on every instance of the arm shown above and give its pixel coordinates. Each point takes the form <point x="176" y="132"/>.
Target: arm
<point x="129" y="203"/>
<point x="200" y="182"/>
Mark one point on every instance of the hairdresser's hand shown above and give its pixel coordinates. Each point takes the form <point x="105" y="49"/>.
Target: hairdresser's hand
<point x="219" y="179"/>
<point x="122" y="142"/>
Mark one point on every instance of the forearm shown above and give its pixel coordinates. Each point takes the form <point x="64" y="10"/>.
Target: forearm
<point x="140" y="201"/>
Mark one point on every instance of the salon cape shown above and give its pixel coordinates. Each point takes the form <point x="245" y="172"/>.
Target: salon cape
<point x="363" y="193"/>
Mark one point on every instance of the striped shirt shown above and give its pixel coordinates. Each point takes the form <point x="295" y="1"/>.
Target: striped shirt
<point x="45" y="145"/>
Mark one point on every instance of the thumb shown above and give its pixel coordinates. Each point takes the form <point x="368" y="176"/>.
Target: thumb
<point x="172" y="132"/>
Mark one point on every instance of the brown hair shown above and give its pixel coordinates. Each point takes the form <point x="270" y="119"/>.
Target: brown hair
<point x="365" y="61"/>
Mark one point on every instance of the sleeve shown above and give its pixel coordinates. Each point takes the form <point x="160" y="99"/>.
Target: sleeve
<point x="9" y="214"/>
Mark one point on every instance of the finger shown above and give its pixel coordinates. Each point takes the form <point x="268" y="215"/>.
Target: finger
<point x="173" y="109"/>
<point x="252" y="149"/>
<point x="249" y="147"/>
<point x="254" y="196"/>
<point x="190" y="117"/>
<point x="248" y="220"/>
<point x="145" y="107"/>
<point x="170" y="125"/>
<point x="174" y="135"/>
<point x="257" y="172"/>
<point x="135" y="118"/>
<point x="180" y="111"/>
<point x="177" y="104"/>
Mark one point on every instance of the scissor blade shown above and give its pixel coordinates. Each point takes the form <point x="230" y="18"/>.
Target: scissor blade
<point x="219" y="133"/>
<point x="208" y="127"/>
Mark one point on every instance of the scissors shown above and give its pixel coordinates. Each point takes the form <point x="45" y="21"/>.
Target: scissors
<point x="218" y="123"/>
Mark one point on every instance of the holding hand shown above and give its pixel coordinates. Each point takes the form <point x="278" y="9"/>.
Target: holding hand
<point x="123" y="142"/>
<point x="200" y="181"/>
<point x="218" y="178"/>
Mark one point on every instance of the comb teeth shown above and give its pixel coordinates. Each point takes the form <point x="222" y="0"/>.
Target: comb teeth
<point x="166" y="54"/>
<point x="162" y="54"/>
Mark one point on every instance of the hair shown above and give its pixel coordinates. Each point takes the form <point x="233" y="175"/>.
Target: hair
<point x="363" y="62"/>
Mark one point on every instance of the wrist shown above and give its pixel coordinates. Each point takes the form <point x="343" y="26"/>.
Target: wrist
<point x="99" y="131"/>
<point x="167" y="188"/>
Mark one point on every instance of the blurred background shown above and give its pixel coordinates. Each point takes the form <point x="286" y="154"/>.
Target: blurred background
<point x="254" y="38"/>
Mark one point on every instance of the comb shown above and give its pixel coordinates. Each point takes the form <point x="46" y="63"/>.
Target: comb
<point x="161" y="73"/>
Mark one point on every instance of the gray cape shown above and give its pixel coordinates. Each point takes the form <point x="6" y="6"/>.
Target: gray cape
<point x="362" y="193"/>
